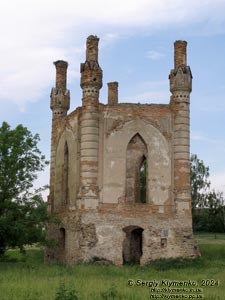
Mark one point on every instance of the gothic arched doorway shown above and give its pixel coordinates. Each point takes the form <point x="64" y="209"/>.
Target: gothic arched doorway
<point x="132" y="245"/>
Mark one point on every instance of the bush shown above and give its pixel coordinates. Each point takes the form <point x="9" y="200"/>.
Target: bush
<point x="66" y="294"/>
<point x="110" y="294"/>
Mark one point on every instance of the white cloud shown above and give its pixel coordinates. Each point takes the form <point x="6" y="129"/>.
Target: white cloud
<point x="150" y="92"/>
<point x="34" y="33"/>
<point x="148" y="97"/>
<point x="41" y="181"/>
<point x="197" y="136"/>
<point x="218" y="181"/>
<point x="108" y="39"/>
<point x="154" y="55"/>
<point x="155" y="85"/>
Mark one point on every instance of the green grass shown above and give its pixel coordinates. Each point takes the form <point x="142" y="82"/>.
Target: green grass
<point x="26" y="277"/>
<point x="210" y="238"/>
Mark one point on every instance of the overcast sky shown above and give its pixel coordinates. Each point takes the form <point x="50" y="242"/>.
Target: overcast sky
<point x="136" y="49"/>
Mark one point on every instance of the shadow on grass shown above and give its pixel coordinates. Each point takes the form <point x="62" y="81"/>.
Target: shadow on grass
<point x="213" y="252"/>
<point x="179" y="263"/>
<point x="206" y="259"/>
<point x="35" y="257"/>
<point x="15" y="256"/>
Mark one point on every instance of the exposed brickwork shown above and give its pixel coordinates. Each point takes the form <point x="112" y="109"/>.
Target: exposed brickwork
<point x="61" y="70"/>
<point x="60" y="104"/>
<point x="113" y="93"/>
<point x="180" y="56"/>
<point x="100" y="210"/>
<point x="91" y="83"/>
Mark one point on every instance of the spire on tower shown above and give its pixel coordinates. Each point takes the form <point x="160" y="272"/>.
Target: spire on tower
<point x="60" y="96"/>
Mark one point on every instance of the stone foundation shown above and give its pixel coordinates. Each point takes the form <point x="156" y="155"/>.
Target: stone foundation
<point x="117" y="238"/>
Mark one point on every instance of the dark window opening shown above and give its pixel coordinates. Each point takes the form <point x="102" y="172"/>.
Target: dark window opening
<point x="136" y="170"/>
<point x="142" y="180"/>
<point x="132" y="245"/>
<point x="65" y="175"/>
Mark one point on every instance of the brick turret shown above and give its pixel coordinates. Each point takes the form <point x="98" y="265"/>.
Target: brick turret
<point x="91" y="83"/>
<point x="60" y="96"/>
<point x="60" y="103"/>
<point x="180" y="87"/>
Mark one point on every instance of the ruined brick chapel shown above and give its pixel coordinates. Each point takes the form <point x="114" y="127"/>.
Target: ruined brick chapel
<point x="120" y="175"/>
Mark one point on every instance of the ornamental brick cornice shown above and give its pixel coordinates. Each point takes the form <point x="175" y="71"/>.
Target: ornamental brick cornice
<point x="181" y="79"/>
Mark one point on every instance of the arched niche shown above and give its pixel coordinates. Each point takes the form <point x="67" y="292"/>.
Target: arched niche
<point x="66" y="170"/>
<point x="158" y="167"/>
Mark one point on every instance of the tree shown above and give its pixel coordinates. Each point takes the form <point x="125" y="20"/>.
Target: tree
<point x="215" y="208"/>
<point x="22" y="213"/>
<point x="199" y="181"/>
<point x="207" y="205"/>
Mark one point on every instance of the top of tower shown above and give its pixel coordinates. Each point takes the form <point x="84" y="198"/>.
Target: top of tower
<point x="180" y="53"/>
<point x="181" y="76"/>
<point x="92" y="48"/>
<point x="91" y="72"/>
<point x="61" y="74"/>
<point x="180" y="41"/>
<point x="92" y="37"/>
<point x="61" y="63"/>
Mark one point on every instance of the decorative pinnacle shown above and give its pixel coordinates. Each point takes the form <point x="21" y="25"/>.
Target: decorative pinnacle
<point x="113" y="92"/>
<point x="180" y="54"/>
<point x="61" y="74"/>
<point x="91" y="72"/>
<point x="180" y="77"/>
<point x="60" y="96"/>
<point x="92" y="48"/>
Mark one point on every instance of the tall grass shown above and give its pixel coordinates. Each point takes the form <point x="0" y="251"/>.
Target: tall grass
<point x="26" y="277"/>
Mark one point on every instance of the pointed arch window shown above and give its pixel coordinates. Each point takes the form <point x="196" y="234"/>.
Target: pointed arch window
<point x="143" y="180"/>
<point x="136" y="170"/>
<point x="65" y="181"/>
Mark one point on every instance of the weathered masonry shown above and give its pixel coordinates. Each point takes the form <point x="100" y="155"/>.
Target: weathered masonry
<point x="120" y="175"/>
